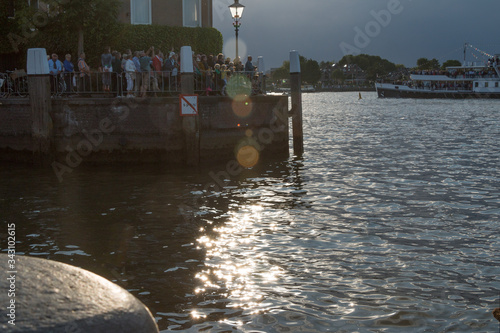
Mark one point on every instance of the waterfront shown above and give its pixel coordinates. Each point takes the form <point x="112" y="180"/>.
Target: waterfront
<point x="388" y="223"/>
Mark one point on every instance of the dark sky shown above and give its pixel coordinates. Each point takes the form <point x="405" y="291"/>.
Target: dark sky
<point x="325" y="30"/>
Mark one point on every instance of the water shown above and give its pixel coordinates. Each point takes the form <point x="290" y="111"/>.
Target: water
<point x="388" y="224"/>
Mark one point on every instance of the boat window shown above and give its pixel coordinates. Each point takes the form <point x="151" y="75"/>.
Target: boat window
<point x="496" y="84"/>
<point x="477" y="84"/>
<point x="486" y="84"/>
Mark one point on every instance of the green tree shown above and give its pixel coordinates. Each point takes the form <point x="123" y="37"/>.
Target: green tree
<point x="84" y="17"/>
<point x="426" y="64"/>
<point x="12" y="34"/>
<point x="310" y="71"/>
<point x="434" y="64"/>
<point x="422" y="63"/>
<point x="372" y="65"/>
<point x="449" y="63"/>
<point x="282" y="73"/>
<point x="338" y="76"/>
<point x="326" y="64"/>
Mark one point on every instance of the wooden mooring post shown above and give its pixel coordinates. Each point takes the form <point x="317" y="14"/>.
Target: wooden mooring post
<point x="41" y="105"/>
<point x="190" y="124"/>
<point x="262" y="72"/>
<point x="296" y="112"/>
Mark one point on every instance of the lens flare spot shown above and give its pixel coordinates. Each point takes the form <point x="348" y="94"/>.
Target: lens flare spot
<point x="242" y="106"/>
<point x="238" y="85"/>
<point x="229" y="47"/>
<point x="247" y="156"/>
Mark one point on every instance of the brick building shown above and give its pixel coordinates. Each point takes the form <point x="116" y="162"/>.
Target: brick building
<point x="183" y="13"/>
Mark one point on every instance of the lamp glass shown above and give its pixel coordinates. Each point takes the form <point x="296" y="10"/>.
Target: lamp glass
<point x="236" y="10"/>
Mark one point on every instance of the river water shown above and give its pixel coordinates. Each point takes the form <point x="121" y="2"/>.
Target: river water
<point x="389" y="223"/>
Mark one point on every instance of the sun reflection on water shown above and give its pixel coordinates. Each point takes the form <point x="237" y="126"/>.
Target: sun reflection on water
<point x="235" y="263"/>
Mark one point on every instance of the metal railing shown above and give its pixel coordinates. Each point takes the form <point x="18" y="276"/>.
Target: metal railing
<point x="116" y="84"/>
<point x="13" y="84"/>
<point x="137" y="84"/>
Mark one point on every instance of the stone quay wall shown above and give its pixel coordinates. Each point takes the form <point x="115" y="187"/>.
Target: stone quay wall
<point x="149" y="130"/>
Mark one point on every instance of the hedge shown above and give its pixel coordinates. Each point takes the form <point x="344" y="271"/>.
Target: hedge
<point x="121" y="37"/>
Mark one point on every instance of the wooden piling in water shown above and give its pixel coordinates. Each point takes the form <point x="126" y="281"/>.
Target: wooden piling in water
<point x="190" y="124"/>
<point x="295" y="87"/>
<point x="41" y="105"/>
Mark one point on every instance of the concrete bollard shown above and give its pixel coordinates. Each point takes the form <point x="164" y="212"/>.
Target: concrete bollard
<point x="41" y="105"/>
<point x="47" y="296"/>
<point x="295" y="83"/>
<point x="190" y="125"/>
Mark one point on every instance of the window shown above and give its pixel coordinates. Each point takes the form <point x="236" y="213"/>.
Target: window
<point x="191" y="13"/>
<point x="476" y="84"/>
<point x="496" y="84"/>
<point x="486" y="84"/>
<point x="140" y="11"/>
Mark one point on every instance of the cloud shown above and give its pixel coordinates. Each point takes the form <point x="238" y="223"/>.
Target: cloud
<point x="316" y="28"/>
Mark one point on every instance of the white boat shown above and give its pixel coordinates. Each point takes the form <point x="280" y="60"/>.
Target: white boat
<point x="471" y="80"/>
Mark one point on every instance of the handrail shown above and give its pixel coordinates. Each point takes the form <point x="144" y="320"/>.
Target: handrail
<point x="13" y="84"/>
<point x="141" y="84"/>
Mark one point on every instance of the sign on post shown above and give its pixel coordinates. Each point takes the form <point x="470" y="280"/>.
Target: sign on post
<point x="188" y="105"/>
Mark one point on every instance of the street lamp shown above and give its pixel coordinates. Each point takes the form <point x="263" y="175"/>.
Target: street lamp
<point x="236" y="12"/>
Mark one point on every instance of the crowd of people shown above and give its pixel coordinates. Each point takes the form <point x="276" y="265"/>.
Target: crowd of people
<point x="135" y="74"/>
<point x="466" y="74"/>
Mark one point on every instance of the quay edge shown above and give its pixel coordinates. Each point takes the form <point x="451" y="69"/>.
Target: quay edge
<point x="149" y="130"/>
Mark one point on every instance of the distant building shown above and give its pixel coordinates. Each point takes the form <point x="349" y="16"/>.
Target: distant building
<point x="351" y="75"/>
<point x="354" y="74"/>
<point x="181" y="13"/>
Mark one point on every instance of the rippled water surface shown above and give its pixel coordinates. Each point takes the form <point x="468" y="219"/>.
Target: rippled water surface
<point x="389" y="223"/>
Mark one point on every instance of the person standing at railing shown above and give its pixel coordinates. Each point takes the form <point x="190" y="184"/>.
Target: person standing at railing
<point x="145" y="62"/>
<point x="171" y="67"/>
<point x="224" y="76"/>
<point x="55" y="68"/>
<point x="116" y="80"/>
<point x="220" y="59"/>
<point x="249" y="67"/>
<point x="107" y="68"/>
<point x="238" y="65"/>
<point x="157" y="66"/>
<point x="130" y="75"/>
<point x="69" y="71"/>
<point x="175" y="71"/>
<point x="138" y="74"/>
<point x="218" y="78"/>
<point x="84" y="78"/>
<point x="203" y="66"/>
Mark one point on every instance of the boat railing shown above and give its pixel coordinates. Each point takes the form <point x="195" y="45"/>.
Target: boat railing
<point x="492" y="73"/>
<point x="427" y="88"/>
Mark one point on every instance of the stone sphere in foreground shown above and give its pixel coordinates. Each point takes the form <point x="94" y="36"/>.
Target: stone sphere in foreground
<point x="50" y="296"/>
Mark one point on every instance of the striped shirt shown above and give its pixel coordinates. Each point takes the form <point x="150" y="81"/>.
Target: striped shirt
<point x="83" y="67"/>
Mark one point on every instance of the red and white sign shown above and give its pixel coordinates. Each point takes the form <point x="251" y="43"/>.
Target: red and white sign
<point x="188" y="105"/>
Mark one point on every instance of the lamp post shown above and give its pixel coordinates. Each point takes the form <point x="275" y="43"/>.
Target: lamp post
<point x="236" y="12"/>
